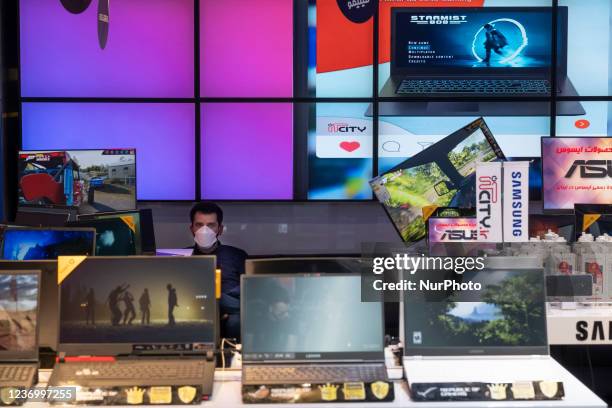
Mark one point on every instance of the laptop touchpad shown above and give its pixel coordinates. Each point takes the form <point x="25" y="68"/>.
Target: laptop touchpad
<point x="453" y="107"/>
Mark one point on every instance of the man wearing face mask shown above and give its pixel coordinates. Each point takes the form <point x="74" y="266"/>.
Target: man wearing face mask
<point x="206" y="227"/>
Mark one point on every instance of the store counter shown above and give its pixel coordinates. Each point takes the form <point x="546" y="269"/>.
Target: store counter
<point x="227" y="393"/>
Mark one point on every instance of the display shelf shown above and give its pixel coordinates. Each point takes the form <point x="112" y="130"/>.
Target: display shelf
<point x="580" y="326"/>
<point x="227" y="393"/>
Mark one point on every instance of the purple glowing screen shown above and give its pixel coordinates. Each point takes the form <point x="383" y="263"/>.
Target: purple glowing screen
<point x="247" y="151"/>
<point x="246" y="48"/>
<point x="149" y="50"/>
<point x="163" y="135"/>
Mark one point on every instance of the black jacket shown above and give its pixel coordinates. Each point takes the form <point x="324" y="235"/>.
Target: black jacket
<point x="231" y="262"/>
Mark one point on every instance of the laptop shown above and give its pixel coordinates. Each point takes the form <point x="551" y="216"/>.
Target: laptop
<point x="483" y="52"/>
<point x="143" y="219"/>
<point x="311" y="329"/>
<point x="137" y="329"/>
<point x="19" y="307"/>
<point x="47" y="243"/>
<point x="487" y="336"/>
<point x="117" y="236"/>
<point x="49" y="305"/>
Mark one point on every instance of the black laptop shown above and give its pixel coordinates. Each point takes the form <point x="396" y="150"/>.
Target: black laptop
<point x="19" y="296"/>
<point x="311" y="329"/>
<point x="476" y="53"/>
<point x="148" y="326"/>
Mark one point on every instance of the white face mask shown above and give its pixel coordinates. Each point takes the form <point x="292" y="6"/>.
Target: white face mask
<point x="205" y="237"/>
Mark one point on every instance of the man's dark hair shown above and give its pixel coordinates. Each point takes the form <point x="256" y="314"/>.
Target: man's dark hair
<point x="207" y="208"/>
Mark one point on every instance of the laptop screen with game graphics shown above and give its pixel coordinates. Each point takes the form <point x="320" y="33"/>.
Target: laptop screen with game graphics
<point x="309" y="317"/>
<point x="123" y="305"/>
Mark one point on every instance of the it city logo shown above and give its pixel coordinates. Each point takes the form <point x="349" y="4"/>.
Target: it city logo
<point x="357" y="11"/>
<point x="591" y="169"/>
<point x="489" y="194"/>
<point x="438" y="19"/>
<point x="345" y="128"/>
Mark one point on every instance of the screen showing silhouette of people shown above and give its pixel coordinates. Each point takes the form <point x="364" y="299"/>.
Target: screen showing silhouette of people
<point x="172" y="303"/>
<point x="494" y="41"/>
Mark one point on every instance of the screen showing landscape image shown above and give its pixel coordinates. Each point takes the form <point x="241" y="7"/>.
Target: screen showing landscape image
<point x="18" y="312"/>
<point x="472" y="150"/>
<point x="498" y="319"/>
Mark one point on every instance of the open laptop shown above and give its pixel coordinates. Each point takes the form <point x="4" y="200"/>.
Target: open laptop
<point x="49" y="292"/>
<point x="148" y="326"/>
<point x="310" y="329"/>
<point x="19" y="296"/>
<point x="143" y="219"/>
<point x="478" y="53"/>
<point x="496" y="335"/>
<point x="117" y="236"/>
<point x="47" y="243"/>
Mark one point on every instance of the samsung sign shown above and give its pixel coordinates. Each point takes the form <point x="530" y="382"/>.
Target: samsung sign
<point x="516" y="201"/>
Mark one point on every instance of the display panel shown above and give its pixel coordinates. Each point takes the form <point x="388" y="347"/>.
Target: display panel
<point x="284" y="317"/>
<point x="24" y="244"/>
<point x="89" y="180"/>
<point x="114" y="236"/>
<point x="498" y="322"/>
<point x="163" y="134"/>
<point x="148" y="50"/>
<point x="259" y="37"/>
<point x="576" y="170"/>
<point x="18" y="312"/>
<point x="247" y="151"/>
<point x="139" y="300"/>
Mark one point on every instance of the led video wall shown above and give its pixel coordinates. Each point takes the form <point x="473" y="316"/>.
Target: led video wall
<point x="228" y="100"/>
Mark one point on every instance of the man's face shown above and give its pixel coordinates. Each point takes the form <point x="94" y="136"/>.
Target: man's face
<point x="279" y="311"/>
<point x="209" y="220"/>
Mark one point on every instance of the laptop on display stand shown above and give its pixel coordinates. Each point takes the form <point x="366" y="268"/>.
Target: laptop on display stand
<point x="485" y="52"/>
<point x="498" y="338"/>
<point x="309" y="338"/>
<point x="19" y="318"/>
<point x="137" y="329"/>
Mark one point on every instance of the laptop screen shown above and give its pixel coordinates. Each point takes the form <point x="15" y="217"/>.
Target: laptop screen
<point x="493" y="322"/>
<point x="114" y="236"/>
<point x="309" y="317"/>
<point x="22" y="244"/>
<point x="19" y="294"/>
<point x="469" y="38"/>
<point x="139" y="304"/>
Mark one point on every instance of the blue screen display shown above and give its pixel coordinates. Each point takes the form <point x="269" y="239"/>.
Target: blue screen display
<point x="502" y="38"/>
<point x="36" y="244"/>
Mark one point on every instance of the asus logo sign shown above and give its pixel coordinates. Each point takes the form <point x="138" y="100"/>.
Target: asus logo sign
<point x="460" y="235"/>
<point x="591" y="168"/>
<point x="438" y="19"/>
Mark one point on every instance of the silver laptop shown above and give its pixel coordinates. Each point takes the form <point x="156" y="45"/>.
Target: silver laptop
<point x="19" y="299"/>
<point x="495" y="335"/>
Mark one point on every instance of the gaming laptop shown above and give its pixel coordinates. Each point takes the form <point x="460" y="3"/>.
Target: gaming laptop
<point x="29" y="243"/>
<point x="116" y="236"/>
<point x="489" y="335"/>
<point x="19" y="307"/>
<point x="483" y="52"/>
<point x="309" y="328"/>
<point x="146" y="323"/>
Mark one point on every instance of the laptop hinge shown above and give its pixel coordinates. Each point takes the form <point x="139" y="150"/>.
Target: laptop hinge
<point x="61" y="357"/>
<point x="210" y="355"/>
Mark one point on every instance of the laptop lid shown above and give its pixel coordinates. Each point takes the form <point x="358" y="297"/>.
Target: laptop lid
<point x="115" y="236"/>
<point x="41" y="219"/>
<point x="19" y="307"/>
<point x="49" y="291"/>
<point x="270" y="266"/>
<point x="309" y="318"/>
<point x="145" y="231"/>
<point x="104" y="303"/>
<point x="506" y="317"/>
<point x="47" y="243"/>
<point x="458" y="41"/>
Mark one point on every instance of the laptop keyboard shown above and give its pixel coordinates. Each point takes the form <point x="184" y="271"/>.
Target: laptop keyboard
<point x="16" y="372"/>
<point x="474" y="86"/>
<point x="315" y="374"/>
<point x="157" y="369"/>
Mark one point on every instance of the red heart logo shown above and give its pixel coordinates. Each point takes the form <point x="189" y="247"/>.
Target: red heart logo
<point x="350" y="146"/>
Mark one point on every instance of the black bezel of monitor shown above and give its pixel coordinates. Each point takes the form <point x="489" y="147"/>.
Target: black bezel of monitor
<point x="29" y="355"/>
<point x="310" y="356"/>
<point x="445" y="71"/>
<point x="75" y="207"/>
<point x="450" y="350"/>
<point x="305" y="265"/>
<point x="560" y="211"/>
<point x="120" y="349"/>
<point x="19" y="228"/>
